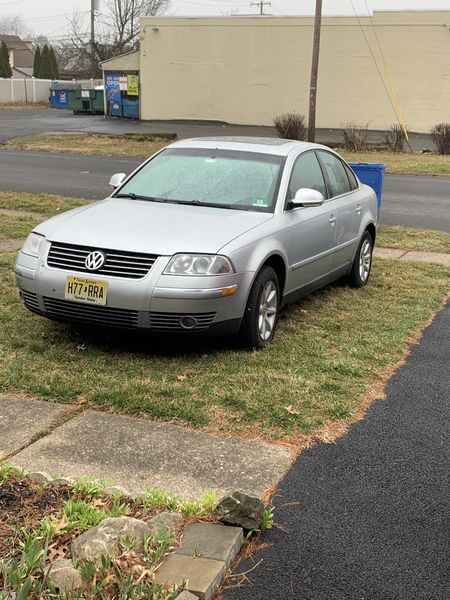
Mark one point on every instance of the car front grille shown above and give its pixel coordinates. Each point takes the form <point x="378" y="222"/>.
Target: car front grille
<point x="173" y="321"/>
<point x="118" y="263"/>
<point x="98" y="315"/>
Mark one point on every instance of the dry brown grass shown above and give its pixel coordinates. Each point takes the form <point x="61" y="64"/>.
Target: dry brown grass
<point x="403" y="163"/>
<point x="127" y="145"/>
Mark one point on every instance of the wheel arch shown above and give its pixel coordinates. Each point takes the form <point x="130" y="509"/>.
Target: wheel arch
<point x="373" y="231"/>
<point x="276" y="261"/>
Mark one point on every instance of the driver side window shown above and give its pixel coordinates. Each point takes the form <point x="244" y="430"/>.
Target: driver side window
<point x="306" y="173"/>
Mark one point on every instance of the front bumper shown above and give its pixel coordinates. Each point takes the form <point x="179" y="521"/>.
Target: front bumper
<point x="158" y="302"/>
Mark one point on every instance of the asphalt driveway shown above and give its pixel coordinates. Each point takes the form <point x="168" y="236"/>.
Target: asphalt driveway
<point x="368" y="518"/>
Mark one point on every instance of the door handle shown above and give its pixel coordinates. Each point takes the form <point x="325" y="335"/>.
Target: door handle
<point x="358" y="209"/>
<point x="332" y="219"/>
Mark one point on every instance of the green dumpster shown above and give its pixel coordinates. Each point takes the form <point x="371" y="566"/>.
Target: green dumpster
<point x="86" y="101"/>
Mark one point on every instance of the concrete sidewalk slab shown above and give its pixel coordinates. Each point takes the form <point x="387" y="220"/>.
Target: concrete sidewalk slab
<point x="429" y="257"/>
<point x="21" y="419"/>
<point x="140" y="454"/>
<point x="437" y="258"/>
<point x="391" y="253"/>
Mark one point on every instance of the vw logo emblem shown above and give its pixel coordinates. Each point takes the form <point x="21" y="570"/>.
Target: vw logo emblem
<point x="95" y="260"/>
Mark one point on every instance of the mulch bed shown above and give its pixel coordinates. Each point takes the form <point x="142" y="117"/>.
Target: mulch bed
<point x="23" y="505"/>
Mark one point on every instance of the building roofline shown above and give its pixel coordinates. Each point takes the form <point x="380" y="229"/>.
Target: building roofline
<point x="296" y="16"/>
<point x="118" y="56"/>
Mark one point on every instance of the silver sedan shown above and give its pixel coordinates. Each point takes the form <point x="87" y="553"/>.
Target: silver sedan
<point x="208" y="235"/>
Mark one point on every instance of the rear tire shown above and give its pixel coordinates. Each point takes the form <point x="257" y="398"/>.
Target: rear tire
<point x="262" y="310"/>
<point x="362" y="264"/>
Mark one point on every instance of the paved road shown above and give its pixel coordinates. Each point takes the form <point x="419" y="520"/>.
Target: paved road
<point x="411" y="201"/>
<point x="18" y="122"/>
<point x="65" y="174"/>
<point x="368" y="518"/>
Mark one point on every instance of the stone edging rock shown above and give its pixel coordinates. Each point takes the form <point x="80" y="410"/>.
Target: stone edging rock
<point x="202" y="560"/>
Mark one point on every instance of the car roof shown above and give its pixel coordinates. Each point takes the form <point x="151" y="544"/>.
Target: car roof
<point x="262" y="145"/>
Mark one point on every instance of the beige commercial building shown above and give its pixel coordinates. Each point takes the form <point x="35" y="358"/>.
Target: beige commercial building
<point x="248" y="69"/>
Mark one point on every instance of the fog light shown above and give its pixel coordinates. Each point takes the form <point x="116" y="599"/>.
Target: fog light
<point x="188" y="322"/>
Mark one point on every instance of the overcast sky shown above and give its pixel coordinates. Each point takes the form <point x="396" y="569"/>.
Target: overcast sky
<point x="49" y="17"/>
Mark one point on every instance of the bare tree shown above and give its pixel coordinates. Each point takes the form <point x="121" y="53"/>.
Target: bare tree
<point x="117" y="29"/>
<point x="123" y="18"/>
<point x="15" y="25"/>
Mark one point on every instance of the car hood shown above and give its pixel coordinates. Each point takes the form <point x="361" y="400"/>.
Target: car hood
<point x="150" y="227"/>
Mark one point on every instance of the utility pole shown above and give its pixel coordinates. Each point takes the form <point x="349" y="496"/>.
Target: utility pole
<point x="314" y="70"/>
<point x="93" y="62"/>
<point x="261" y="5"/>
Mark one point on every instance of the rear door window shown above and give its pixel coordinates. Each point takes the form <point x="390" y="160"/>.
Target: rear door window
<point x="336" y="172"/>
<point x="351" y="177"/>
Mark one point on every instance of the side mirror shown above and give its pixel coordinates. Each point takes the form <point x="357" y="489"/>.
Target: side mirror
<point x="306" y="197"/>
<point x="117" y="179"/>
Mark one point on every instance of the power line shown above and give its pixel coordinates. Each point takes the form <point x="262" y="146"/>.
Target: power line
<point x="48" y="17"/>
<point x="375" y="61"/>
<point x="15" y="2"/>
<point x="279" y="9"/>
<point x="394" y="93"/>
<point x="261" y="4"/>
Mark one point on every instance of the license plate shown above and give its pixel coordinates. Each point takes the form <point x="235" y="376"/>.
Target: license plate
<point x="80" y="289"/>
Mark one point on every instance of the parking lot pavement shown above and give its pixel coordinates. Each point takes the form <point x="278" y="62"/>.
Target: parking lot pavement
<point x="139" y="454"/>
<point x="367" y="518"/>
<point x="19" y="122"/>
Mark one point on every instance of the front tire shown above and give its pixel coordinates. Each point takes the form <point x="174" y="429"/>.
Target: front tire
<point x="362" y="264"/>
<point x="262" y="310"/>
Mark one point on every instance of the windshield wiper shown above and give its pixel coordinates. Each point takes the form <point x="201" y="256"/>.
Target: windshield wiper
<point x="134" y="196"/>
<point x="210" y="204"/>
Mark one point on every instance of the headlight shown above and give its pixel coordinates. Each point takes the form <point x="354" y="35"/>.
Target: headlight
<point x="33" y="245"/>
<point x="199" y="264"/>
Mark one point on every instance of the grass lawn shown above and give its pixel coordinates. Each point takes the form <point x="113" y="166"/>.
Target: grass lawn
<point x="408" y="238"/>
<point x="329" y="350"/>
<point x="403" y="163"/>
<point x="143" y="145"/>
<point x="129" y="145"/>
<point x="47" y="204"/>
<point x="14" y="226"/>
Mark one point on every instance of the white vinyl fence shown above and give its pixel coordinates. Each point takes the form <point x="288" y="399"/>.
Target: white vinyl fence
<point x="33" y="90"/>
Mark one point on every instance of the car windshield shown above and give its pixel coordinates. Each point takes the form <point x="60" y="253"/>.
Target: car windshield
<point x="219" y="178"/>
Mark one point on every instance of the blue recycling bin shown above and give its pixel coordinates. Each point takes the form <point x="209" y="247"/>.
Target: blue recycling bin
<point x="371" y="174"/>
<point x="131" y="108"/>
<point x="60" y="93"/>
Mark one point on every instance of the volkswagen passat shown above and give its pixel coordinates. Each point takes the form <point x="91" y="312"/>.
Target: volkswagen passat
<point x="208" y="235"/>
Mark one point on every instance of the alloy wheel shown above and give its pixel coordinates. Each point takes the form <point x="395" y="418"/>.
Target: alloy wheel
<point x="365" y="259"/>
<point x="267" y="310"/>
